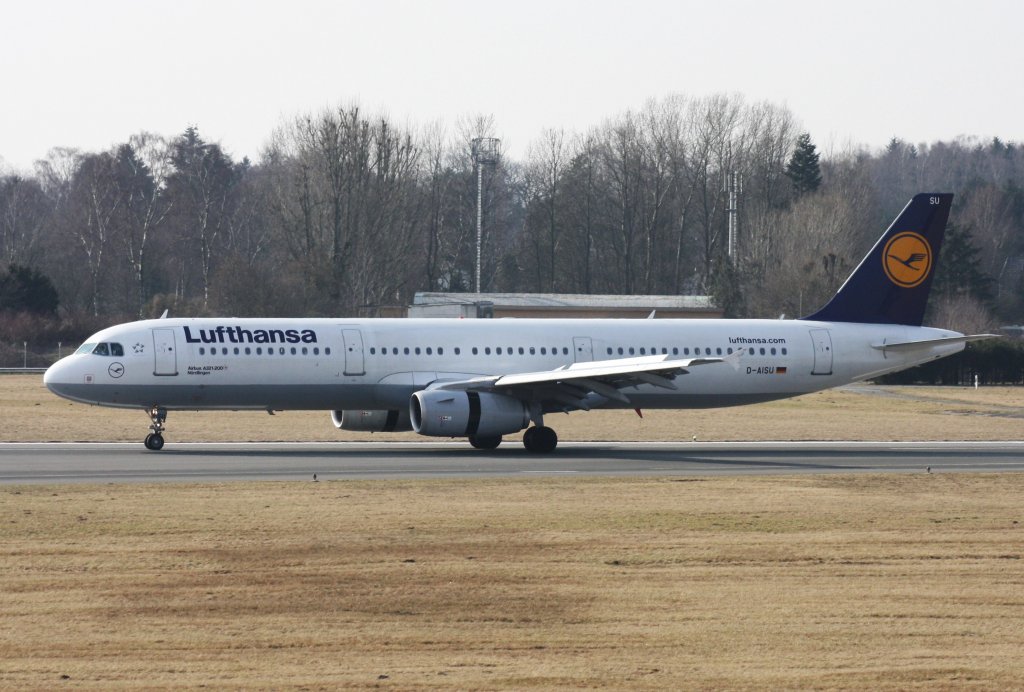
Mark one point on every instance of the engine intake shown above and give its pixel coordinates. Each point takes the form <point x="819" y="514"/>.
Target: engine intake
<point x="372" y="421"/>
<point x="441" y="413"/>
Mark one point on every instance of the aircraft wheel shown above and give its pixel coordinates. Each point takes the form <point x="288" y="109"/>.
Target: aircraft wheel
<point x="155" y="442"/>
<point x="540" y="440"/>
<point x="485" y="441"/>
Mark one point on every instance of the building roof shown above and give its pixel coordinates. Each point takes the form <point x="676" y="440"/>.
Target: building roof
<point x="566" y="300"/>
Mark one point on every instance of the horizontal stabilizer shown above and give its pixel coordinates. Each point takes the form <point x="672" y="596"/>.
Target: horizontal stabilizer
<point x="928" y="343"/>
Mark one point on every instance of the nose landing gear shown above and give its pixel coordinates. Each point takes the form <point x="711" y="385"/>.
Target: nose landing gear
<point x="155" y="440"/>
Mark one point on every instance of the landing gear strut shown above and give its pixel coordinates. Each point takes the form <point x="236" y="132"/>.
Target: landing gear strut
<point x="540" y="439"/>
<point x="155" y="439"/>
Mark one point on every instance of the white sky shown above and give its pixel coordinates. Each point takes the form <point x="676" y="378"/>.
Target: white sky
<point x="88" y="74"/>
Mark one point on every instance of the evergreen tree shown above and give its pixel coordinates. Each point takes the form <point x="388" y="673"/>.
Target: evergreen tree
<point x="24" y="289"/>
<point x="960" y="271"/>
<point x="803" y="169"/>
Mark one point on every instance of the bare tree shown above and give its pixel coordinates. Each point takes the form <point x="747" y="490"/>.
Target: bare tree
<point x="144" y="165"/>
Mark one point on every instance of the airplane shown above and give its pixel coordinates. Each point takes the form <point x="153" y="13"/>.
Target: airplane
<point x="482" y="379"/>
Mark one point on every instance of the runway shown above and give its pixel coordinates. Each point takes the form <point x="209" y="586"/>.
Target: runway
<point x="212" y="462"/>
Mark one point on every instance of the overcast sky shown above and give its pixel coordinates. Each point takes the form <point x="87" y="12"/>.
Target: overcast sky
<point x="88" y="74"/>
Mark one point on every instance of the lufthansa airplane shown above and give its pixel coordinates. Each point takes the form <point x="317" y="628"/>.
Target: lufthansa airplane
<point x="484" y="378"/>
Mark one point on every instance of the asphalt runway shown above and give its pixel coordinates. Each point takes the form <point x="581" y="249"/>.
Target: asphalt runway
<point x="212" y="462"/>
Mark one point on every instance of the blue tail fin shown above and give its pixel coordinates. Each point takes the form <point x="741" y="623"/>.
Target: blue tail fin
<point x="891" y="284"/>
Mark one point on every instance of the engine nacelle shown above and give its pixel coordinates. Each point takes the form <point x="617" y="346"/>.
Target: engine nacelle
<point x="442" y="413"/>
<point x="372" y="421"/>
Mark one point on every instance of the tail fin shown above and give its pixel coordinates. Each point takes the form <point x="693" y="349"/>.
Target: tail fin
<point x="891" y="284"/>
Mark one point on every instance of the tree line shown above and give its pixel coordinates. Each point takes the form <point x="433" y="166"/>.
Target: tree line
<point x="345" y="211"/>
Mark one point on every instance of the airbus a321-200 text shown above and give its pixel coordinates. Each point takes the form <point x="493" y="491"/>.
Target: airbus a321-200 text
<point x="484" y="378"/>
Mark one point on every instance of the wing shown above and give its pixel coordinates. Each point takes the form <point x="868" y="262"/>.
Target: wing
<point x="571" y="385"/>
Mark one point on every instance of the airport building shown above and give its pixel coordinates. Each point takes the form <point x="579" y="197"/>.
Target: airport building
<point x="553" y="305"/>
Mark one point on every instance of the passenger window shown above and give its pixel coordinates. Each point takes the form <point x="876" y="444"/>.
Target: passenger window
<point x="294" y="351"/>
<point x="620" y="350"/>
<point x="327" y="351"/>
<point x="406" y="350"/>
<point x="101" y="350"/>
<point x="417" y="350"/>
<point x="632" y="351"/>
<point x="458" y="351"/>
<point x="305" y="351"/>
<point x="675" y="350"/>
<point x="773" y="351"/>
<point x="783" y="351"/>
<point x="522" y="351"/>
<point x="718" y="351"/>
<point x="475" y="351"/>
<point x="762" y="351"/>
<point x="498" y="350"/>
<point x="373" y="351"/>
<point x="440" y="350"/>
<point x="430" y="351"/>
<point x="487" y="350"/>
<point x="259" y="350"/>
<point x="236" y="350"/>
<point x="533" y="351"/>
<point x="565" y="350"/>
<point x="248" y="351"/>
<point x="609" y="350"/>
<point x="543" y="350"/>
<point x="202" y="351"/>
<point x="643" y="351"/>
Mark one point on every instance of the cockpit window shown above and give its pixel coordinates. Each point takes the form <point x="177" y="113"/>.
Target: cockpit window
<point x="103" y="349"/>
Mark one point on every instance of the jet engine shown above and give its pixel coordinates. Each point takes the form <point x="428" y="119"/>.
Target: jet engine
<point x="443" y="413"/>
<point x="372" y="421"/>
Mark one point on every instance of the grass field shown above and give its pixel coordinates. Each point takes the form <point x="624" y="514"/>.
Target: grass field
<point x="30" y="413"/>
<point x="870" y="582"/>
<point x="897" y="582"/>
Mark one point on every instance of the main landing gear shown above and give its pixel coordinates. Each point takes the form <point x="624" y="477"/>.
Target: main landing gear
<point x="540" y="439"/>
<point x="155" y="439"/>
<point x="485" y="441"/>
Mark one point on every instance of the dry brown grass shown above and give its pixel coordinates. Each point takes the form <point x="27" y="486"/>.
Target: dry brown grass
<point x="30" y="413"/>
<point x="899" y="582"/>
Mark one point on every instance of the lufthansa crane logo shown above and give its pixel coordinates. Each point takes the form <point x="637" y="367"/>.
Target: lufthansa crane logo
<point x="907" y="259"/>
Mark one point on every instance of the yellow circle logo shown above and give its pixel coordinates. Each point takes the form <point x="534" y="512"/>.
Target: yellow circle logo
<point x="907" y="259"/>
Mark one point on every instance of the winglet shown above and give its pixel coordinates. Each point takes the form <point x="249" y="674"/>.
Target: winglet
<point x="891" y="284"/>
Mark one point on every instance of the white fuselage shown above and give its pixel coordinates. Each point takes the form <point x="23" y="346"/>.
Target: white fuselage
<point x="333" y="364"/>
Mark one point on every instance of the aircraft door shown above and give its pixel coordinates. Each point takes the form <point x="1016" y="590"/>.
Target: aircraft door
<point x="583" y="349"/>
<point x="822" y="352"/>
<point x="164" y="354"/>
<point x="353" y="352"/>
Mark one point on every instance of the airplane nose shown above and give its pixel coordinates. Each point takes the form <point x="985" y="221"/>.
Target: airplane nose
<point x="55" y="377"/>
